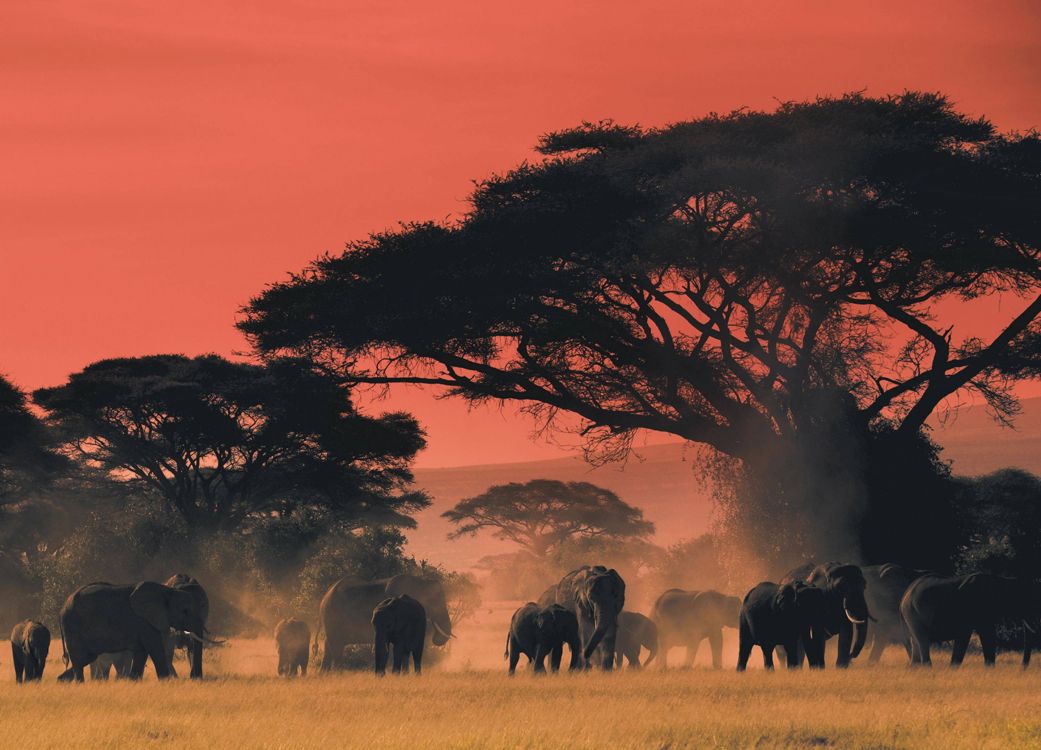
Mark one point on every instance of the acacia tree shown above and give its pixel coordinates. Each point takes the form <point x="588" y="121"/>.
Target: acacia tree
<point x="542" y="514"/>
<point x="774" y="285"/>
<point x="28" y="462"/>
<point x="220" y="442"/>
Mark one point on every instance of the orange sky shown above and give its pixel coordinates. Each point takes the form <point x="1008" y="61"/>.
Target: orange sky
<point x="159" y="163"/>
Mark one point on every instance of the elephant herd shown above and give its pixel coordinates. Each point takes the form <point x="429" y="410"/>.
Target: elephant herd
<point x="110" y="627"/>
<point x="106" y="626"/>
<point x="810" y="605"/>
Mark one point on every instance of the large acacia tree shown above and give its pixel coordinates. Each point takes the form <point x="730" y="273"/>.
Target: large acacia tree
<point x="220" y="442"/>
<point x="776" y="285"/>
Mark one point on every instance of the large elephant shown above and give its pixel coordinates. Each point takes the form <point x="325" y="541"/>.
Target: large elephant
<point x="30" y="643"/>
<point x="346" y="611"/>
<point x="101" y="618"/>
<point x="401" y="622"/>
<point x="596" y="595"/>
<point x="537" y="631"/>
<point x="936" y="609"/>
<point x="119" y="662"/>
<point x="293" y="640"/>
<point x="791" y="615"/>
<point x="635" y="633"/>
<point x="886" y="585"/>
<point x="686" y="618"/>
<point x="174" y="640"/>
<point x="847" y="610"/>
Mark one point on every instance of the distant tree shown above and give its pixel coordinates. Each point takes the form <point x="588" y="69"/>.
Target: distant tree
<point x="543" y="514"/>
<point x="778" y="286"/>
<point x="1000" y="516"/>
<point x="218" y="442"/>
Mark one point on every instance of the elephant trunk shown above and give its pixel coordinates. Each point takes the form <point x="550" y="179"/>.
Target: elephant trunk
<point x="859" y="619"/>
<point x="600" y="627"/>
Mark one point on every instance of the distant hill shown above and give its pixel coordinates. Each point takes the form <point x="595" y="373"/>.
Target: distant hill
<point x="663" y="481"/>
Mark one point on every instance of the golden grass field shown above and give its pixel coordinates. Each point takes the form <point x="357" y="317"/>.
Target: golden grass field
<point x="467" y="701"/>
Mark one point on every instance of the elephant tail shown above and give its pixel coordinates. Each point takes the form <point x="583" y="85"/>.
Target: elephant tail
<point x="64" y="648"/>
<point x="314" y="644"/>
<point x="506" y="653"/>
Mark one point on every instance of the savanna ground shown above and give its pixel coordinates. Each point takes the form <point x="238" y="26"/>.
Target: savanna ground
<point x="467" y="701"/>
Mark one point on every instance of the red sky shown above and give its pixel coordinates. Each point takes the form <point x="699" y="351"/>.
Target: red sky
<point x="161" y="162"/>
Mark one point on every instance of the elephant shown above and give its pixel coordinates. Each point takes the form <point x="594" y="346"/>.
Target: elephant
<point x="399" y="621"/>
<point x="788" y="615"/>
<point x="937" y="609"/>
<point x="293" y="639"/>
<point x="346" y="610"/>
<point x="886" y="585"/>
<point x="174" y="640"/>
<point x="847" y="612"/>
<point x="30" y="642"/>
<point x="537" y="631"/>
<point x="105" y="663"/>
<point x="596" y="595"/>
<point x="686" y="618"/>
<point x="102" y="618"/>
<point x="635" y="632"/>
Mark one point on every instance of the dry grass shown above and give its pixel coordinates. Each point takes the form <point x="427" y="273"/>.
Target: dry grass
<point x="884" y="707"/>
<point x="467" y="701"/>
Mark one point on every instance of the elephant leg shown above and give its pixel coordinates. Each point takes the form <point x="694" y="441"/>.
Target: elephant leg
<point x="692" y="652"/>
<point x="715" y="642"/>
<point x="989" y="644"/>
<point x="157" y="654"/>
<point x="768" y="655"/>
<point x="16" y="660"/>
<point x="540" y="658"/>
<point x="744" y="645"/>
<point x="514" y="652"/>
<point x="333" y="656"/>
<point x="961" y="644"/>
<point x="399" y="657"/>
<point x="793" y="655"/>
<point x="845" y="646"/>
<point x="877" y="647"/>
<point x="555" y="657"/>
<point x="417" y="657"/>
<point x="303" y="664"/>
<point x="608" y="646"/>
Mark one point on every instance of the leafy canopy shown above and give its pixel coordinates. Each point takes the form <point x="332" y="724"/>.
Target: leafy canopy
<point x="705" y="279"/>
<point x="220" y="441"/>
<point x="543" y="514"/>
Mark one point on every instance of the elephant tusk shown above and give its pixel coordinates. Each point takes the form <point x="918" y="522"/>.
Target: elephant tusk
<point x="441" y="631"/>
<point x="851" y="618"/>
<point x="211" y="641"/>
<point x="1027" y="626"/>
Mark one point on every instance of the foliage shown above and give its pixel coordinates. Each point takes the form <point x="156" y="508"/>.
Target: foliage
<point x="221" y="441"/>
<point x="758" y="282"/>
<point x="1000" y="515"/>
<point x="543" y="514"/>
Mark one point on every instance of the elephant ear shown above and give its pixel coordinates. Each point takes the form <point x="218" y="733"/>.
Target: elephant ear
<point x="785" y="598"/>
<point x="148" y="600"/>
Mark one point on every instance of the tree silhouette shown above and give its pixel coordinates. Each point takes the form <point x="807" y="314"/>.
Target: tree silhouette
<point x="28" y="462"/>
<point x="774" y="285"/>
<point x="220" y="441"/>
<point x="542" y="514"/>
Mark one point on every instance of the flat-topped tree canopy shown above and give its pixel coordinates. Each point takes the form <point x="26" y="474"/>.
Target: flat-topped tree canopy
<point x="28" y="461"/>
<point x="708" y="279"/>
<point x="220" y="441"/>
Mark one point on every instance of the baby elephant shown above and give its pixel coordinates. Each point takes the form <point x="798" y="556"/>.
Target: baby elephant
<point x="635" y="631"/>
<point x="293" y="638"/>
<point x="30" y="642"/>
<point x="119" y="662"/>
<point x="401" y="622"/>
<point x="537" y="631"/>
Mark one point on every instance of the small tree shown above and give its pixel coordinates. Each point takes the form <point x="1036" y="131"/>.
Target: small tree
<point x="543" y="514"/>
<point x="218" y="441"/>
<point x="1000" y="516"/>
